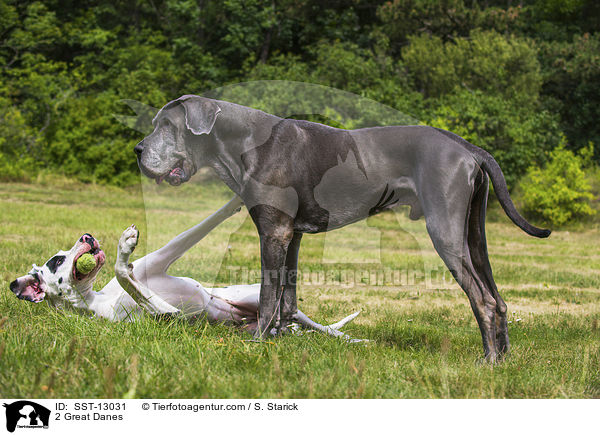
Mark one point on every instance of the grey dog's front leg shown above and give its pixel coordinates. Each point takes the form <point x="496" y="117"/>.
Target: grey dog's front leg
<point x="273" y="253"/>
<point x="289" y="304"/>
<point x="275" y="229"/>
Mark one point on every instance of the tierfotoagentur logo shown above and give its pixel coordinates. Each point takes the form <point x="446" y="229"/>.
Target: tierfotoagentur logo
<point x="25" y="414"/>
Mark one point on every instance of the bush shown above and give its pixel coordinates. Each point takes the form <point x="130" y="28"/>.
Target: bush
<point x="559" y="192"/>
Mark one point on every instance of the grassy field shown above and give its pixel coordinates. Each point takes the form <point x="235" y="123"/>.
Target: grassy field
<point x="425" y="341"/>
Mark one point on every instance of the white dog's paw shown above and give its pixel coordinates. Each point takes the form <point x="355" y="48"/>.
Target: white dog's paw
<point x="129" y="239"/>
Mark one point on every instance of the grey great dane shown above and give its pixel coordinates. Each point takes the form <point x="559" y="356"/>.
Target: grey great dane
<point x="299" y="177"/>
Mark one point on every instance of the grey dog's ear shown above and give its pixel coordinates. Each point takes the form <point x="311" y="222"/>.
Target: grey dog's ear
<point x="200" y="114"/>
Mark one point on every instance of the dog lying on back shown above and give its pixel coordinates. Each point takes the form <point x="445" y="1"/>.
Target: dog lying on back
<point x="145" y="286"/>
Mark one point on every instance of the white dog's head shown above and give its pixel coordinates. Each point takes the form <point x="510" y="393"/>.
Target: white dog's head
<point x="58" y="280"/>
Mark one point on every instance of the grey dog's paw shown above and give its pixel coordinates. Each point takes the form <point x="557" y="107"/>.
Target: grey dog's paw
<point x="129" y="240"/>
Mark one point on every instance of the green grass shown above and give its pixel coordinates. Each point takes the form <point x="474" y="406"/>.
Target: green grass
<point x="425" y="341"/>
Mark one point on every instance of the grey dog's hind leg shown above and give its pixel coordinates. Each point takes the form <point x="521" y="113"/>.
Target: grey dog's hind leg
<point x="479" y="257"/>
<point x="447" y="224"/>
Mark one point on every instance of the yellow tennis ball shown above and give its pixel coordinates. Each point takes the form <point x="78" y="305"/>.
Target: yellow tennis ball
<point x="86" y="263"/>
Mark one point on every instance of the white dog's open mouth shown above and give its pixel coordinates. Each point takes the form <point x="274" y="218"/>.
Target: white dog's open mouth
<point x="32" y="290"/>
<point x="98" y="255"/>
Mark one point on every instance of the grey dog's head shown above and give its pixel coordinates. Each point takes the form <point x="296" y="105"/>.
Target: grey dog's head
<point x="173" y="151"/>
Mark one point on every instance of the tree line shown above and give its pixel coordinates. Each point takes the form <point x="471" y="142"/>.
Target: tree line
<point x="518" y="78"/>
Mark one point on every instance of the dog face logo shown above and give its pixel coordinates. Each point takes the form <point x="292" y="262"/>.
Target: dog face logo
<point x="26" y="414"/>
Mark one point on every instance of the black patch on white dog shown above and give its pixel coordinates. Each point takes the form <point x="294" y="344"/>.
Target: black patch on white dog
<point x="55" y="262"/>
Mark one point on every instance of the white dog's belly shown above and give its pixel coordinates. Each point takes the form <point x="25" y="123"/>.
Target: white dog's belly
<point x="242" y="296"/>
<point x="234" y="304"/>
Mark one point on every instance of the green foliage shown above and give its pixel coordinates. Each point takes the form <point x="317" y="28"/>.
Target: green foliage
<point x="572" y="77"/>
<point x="405" y="18"/>
<point x="508" y="78"/>
<point x="90" y="145"/>
<point x="17" y="144"/>
<point x="486" y="61"/>
<point x="559" y="192"/>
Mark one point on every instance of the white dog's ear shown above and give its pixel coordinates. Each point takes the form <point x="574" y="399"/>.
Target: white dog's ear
<point x="200" y="114"/>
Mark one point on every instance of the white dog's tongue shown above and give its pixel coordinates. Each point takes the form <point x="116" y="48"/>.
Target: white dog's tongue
<point x="32" y="293"/>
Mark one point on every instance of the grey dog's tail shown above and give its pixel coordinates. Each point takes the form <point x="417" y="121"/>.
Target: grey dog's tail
<point x="491" y="167"/>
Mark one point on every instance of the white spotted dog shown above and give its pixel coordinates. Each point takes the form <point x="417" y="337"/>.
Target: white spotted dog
<point x="146" y="286"/>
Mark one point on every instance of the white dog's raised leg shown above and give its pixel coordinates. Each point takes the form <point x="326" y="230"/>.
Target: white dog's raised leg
<point x="142" y="295"/>
<point x="160" y="260"/>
